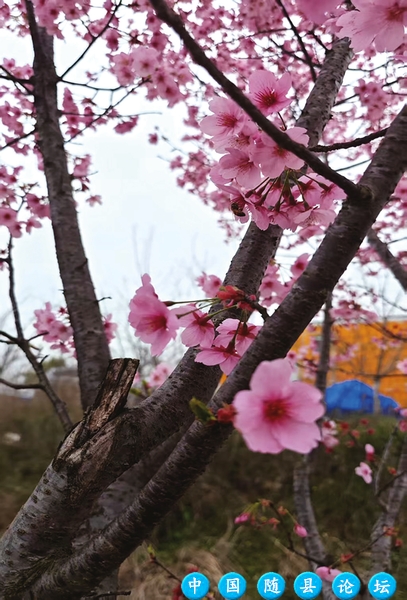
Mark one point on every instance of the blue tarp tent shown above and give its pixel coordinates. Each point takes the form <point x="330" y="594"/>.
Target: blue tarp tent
<point x="356" y="396"/>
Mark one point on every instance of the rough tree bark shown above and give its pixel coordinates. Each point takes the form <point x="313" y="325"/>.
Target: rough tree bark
<point x="90" y="340"/>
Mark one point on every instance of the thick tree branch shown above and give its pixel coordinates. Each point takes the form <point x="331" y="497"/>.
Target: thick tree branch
<point x="388" y="258"/>
<point x="84" y="313"/>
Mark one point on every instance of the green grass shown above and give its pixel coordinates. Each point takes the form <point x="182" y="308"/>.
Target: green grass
<point x="202" y="524"/>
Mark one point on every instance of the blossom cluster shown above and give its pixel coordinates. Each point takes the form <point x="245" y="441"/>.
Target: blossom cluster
<point x="261" y="178"/>
<point x="54" y="328"/>
<point x="13" y="199"/>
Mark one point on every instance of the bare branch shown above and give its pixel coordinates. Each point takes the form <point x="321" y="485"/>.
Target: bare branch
<point x="58" y="403"/>
<point x="352" y="143"/>
<point x="22" y="386"/>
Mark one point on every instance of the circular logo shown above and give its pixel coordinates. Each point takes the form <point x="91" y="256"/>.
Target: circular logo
<point x="307" y="585"/>
<point x="271" y="585"/>
<point x="232" y="586"/>
<point x="382" y="585"/>
<point x="346" y="585"/>
<point x="195" y="586"/>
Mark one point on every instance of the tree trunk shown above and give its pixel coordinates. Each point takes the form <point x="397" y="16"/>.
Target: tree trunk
<point x="90" y="340"/>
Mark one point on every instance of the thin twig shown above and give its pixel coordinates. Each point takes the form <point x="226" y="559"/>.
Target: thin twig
<point x="23" y="386"/>
<point x="58" y="403"/>
<point x="17" y="139"/>
<point x="300" y="41"/>
<point x="94" y="39"/>
<point x="351" y="144"/>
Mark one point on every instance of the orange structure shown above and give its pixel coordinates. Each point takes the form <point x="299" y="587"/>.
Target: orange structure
<point x="368" y="352"/>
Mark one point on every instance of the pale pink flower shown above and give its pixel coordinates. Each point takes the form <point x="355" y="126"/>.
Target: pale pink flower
<point x="8" y="216"/>
<point x="300" y="265"/>
<point x="145" y="60"/>
<point x="31" y="224"/>
<point x="160" y="374"/>
<point x="226" y="358"/>
<point x="209" y="283"/>
<point x="402" y="366"/>
<point x="403" y="413"/>
<point x="364" y="471"/>
<point x="369" y="449"/>
<point x="228" y="119"/>
<point x="273" y="159"/>
<point x="109" y="327"/>
<point x="277" y="414"/>
<point x="242" y="518"/>
<point x="403" y="426"/>
<point x="328" y="433"/>
<point x="153" y="322"/>
<point x="327" y="574"/>
<point x="239" y="165"/>
<point x="199" y="330"/>
<point x="268" y="93"/>
<point x="300" y="530"/>
<point x="381" y="21"/>
<point x="244" y="337"/>
<point x="313" y="216"/>
<point x="123" y="68"/>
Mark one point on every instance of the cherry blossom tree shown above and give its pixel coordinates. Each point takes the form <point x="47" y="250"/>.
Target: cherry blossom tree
<point x="266" y="89"/>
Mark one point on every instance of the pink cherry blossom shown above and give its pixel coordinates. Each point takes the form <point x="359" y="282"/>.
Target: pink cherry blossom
<point x="244" y="337"/>
<point x="273" y="159"/>
<point x="239" y="165"/>
<point x="329" y="433"/>
<point x="160" y="374"/>
<point x="327" y="574"/>
<point x="300" y="530"/>
<point x="228" y="120"/>
<point x="315" y="10"/>
<point x="277" y="414"/>
<point x="381" y="21"/>
<point x="109" y="327"/>
<point x="152" y="320"/>
<point x="145" y="60"/>
<point x="370" y="451"/>
<point x="242" y="518"/>
<point x="402" y="366"/>
<point x="364" y="471"/>
<point x="227" y="358"/>
<point x="210" y="284"/>
<point x="269" y="93"/>
<point x="300" y="265"/>
<point x="199" y="330"/>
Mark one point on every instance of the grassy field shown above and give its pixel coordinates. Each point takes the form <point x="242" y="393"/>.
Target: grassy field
<point x="200" y="531"/>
